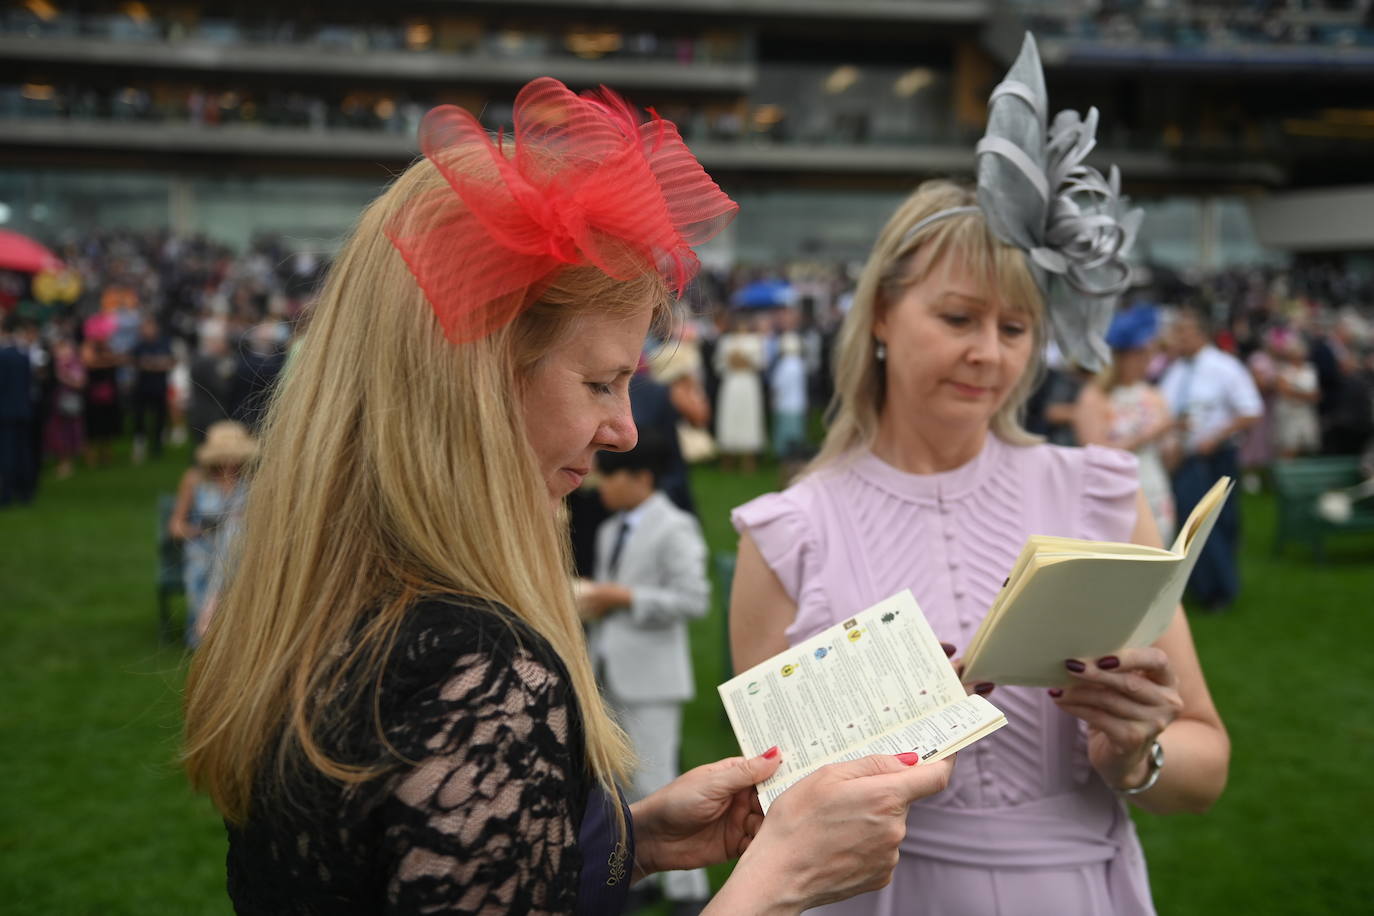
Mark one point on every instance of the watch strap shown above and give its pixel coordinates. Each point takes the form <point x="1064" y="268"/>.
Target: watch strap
<point x="1156" y="763"/>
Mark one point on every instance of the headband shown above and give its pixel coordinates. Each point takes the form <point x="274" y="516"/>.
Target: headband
<point x="1037" y="193"/>
<point x="585" y="182"/>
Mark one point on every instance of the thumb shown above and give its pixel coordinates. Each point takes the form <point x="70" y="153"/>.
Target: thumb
<point x="918" y="781"/>
<point x="901" y="773"/>
<point x="736" y="773"/>
<point x="872" y="765"/>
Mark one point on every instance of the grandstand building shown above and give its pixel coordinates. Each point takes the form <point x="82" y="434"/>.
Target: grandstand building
<point x="1246" y="129"/>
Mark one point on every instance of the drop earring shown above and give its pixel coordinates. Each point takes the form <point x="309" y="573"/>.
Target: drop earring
<point x="880" y="352"/>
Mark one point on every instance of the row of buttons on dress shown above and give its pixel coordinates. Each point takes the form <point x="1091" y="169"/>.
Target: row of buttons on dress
<point x="953" y="562"/>
<point x="982" y="753"/>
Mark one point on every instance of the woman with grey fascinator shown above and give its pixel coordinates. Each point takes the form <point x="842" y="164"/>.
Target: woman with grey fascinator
<point x="928" y="481"/>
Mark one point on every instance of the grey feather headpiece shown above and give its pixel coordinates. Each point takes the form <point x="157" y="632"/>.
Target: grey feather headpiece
<point x="1037" y="193"/>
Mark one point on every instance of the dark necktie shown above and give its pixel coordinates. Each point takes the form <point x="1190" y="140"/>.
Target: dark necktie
<point x="620" y="537"/>
<point x="1185" y="391"/>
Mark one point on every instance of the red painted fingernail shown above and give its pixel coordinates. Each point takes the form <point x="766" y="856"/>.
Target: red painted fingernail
<point x="984" y="688"/>
<point x="1108" y="662"/>
<point x="949" y="649"/>
<point x="770" y="753"/>
<point x="1056" y="692"/>
<point x="910" y="758"/>
<point x="1075" y="666"/>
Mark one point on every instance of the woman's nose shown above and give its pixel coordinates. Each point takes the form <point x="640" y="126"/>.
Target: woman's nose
<point x="984" y="347"/>
<point x="618" y="434"/>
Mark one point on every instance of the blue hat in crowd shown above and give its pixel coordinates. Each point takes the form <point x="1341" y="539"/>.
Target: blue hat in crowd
<point x="1133" y="328"/>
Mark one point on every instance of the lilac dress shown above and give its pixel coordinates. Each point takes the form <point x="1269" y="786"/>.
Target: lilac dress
<point x="1026" y="826"/>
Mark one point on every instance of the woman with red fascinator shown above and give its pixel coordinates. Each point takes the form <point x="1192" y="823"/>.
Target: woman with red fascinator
<point x="393" y="707"/>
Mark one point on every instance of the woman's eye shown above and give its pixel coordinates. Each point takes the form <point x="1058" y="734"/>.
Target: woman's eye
<point x="600" y="387"/>
<point x="1013" y="330"/>
<point x="956" y="321"/>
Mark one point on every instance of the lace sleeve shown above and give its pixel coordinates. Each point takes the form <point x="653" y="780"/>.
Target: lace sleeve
<point x="484" y="820"/>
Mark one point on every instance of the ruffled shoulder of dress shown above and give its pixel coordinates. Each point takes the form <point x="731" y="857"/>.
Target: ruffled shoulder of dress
<point x="1111" y="478"/>
<point x="783" y="527"/>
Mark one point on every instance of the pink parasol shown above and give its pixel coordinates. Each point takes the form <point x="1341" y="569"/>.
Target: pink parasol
<point x="21" y="253"/>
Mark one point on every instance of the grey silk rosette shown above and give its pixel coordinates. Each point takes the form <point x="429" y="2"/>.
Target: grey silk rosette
<point x="1037" y="193"/>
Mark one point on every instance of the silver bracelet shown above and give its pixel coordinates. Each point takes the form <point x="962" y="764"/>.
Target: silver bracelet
<point x="1156" y="762"/>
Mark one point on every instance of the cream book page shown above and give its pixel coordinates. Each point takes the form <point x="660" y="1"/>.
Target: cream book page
<point x="878" y="683"/>
<point x="1065" y="607"/>
<point x="1189" y="543"/>
<point x="1045" y="546"/>
<point x="1061" y="602"/>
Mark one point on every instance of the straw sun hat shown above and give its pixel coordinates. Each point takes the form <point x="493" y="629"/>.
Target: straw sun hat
<point x="226" y="442"/>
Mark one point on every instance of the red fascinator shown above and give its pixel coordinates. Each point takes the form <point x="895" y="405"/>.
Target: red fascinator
<point x="588" y="183"/>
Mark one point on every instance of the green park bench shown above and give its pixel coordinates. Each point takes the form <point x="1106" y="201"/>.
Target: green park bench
<point x="1298" y="485"/>
<point x="723" y="563"/>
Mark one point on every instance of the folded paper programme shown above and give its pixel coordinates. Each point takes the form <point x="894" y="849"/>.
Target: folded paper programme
<point x="878" y="683"/>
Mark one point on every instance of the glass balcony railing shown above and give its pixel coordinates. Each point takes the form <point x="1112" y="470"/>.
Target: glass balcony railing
<point x="1203" y="29"/>
<point x="491" y="37"/>
<point x="767" y="120"/>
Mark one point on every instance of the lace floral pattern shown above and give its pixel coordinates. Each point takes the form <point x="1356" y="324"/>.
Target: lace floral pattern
<point x="480" y="811"/>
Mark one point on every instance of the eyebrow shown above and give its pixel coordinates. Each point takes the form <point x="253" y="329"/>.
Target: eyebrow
<point x="980" y="301"/>
<point x="618" y="371"/>
<point x="953" y="294"/>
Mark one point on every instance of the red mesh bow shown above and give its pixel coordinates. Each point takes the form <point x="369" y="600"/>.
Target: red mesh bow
<point x="588" y="184"/>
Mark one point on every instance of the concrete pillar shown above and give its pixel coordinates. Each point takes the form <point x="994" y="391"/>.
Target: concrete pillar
<point x="181" y="205"/>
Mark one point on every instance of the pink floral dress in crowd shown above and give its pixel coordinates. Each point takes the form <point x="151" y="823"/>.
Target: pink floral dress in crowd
<point x="1135" y="409"/>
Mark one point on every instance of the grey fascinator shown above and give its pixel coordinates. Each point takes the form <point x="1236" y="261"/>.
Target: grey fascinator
<point x="1037" y="193"/>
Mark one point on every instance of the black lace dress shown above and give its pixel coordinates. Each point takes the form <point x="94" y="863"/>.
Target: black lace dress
<point x="490" y="807"/>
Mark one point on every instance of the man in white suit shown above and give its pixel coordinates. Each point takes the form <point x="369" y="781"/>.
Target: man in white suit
<point x="650" y="580"/>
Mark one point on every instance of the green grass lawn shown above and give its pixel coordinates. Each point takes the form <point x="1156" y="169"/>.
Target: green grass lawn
<point x="95" y="817"/>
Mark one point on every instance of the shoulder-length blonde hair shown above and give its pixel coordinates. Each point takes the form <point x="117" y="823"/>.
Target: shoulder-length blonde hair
<point x="394" y="465"/>
<point x="898" y="262"/>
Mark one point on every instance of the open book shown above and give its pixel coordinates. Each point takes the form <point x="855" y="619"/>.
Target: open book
<point x="878" y="683"/>
<point x="1067" y="598"/>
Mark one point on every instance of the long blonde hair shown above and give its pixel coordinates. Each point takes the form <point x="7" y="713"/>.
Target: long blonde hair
<point x="898" y="262"/>
<point x="394" y="466"/>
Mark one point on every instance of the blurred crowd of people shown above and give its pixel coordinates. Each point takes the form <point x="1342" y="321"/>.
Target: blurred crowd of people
<point x="1208" y="390"/>
<point x="169" y="340"/>
<point x="172" y="335"/>
<point x="168" y="336"/>
<point x="1302" y="335"/>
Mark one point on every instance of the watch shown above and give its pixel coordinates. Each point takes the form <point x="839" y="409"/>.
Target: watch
<point x="1156" y="761"/>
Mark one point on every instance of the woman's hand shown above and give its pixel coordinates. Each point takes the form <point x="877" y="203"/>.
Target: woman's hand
<point x="183" y="530"/>
<point x="706" y="815"/>
<point x="1127" y="699"/>
<point x="1156" y="432"/>
<point x="982" y="688"/>
<point x="832" y="835"/>
<point x="597" y="599"/>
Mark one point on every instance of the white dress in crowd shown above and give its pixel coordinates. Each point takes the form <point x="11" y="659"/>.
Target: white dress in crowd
<point x="1296" y="429"/>
<point x="740" y="424"/>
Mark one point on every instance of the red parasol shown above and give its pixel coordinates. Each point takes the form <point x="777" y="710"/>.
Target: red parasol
<point x="21" y="253"/>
